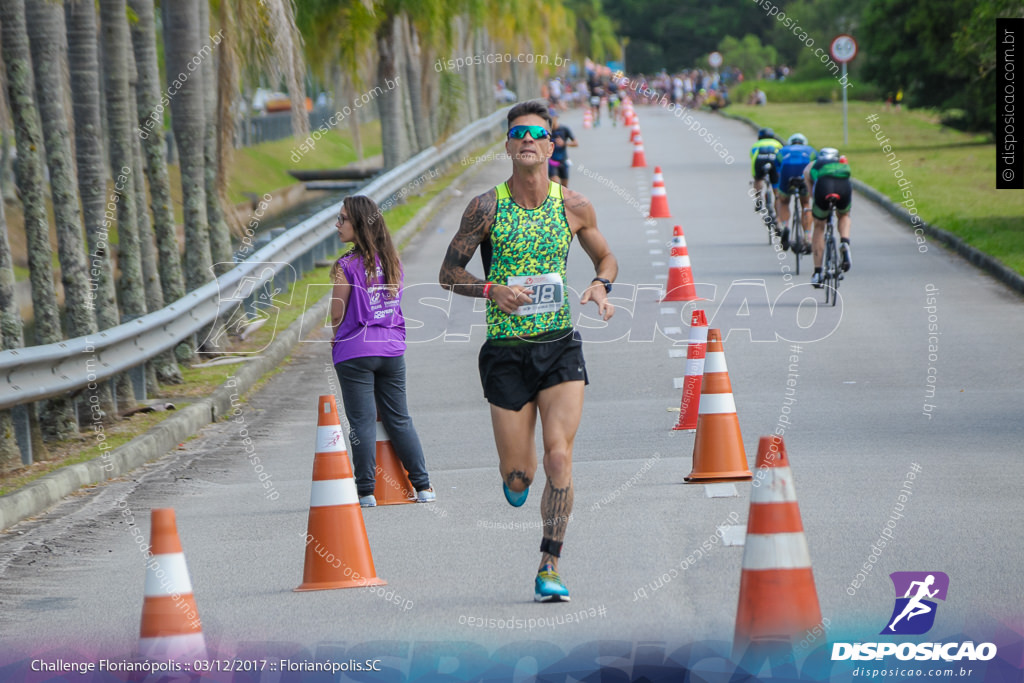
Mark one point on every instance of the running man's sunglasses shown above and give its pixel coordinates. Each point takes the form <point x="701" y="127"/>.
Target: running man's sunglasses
<point x="536" y="132"/>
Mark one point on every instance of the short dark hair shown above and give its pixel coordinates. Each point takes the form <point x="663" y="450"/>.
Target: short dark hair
<point x="527" y="108"/>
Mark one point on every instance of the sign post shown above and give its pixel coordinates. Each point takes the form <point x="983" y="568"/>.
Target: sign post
<point x="843" y="49"/>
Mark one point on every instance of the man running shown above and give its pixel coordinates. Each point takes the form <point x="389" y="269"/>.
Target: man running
<point x="562" y="139"/>
<point x="829" y="174"/>
<point x="532" y="362"/>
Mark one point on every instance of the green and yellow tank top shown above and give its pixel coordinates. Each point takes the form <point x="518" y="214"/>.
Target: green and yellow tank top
<point x="529" y="247"/>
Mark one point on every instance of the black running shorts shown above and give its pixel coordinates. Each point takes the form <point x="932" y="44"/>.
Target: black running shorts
<point x="773" y="171"/>
<point x="826" y="186"/>
<point x="513" y="371"/>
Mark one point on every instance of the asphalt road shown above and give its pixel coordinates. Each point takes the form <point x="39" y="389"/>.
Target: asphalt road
<point x="71" y="580"/>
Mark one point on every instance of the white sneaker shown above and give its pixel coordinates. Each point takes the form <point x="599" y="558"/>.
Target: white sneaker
<point x="426" y="496"/>
<point x="367" y="501"/>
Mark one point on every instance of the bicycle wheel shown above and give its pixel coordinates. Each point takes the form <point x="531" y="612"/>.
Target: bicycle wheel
<point x="796" y="233"/>
<point x="831" y="269"/>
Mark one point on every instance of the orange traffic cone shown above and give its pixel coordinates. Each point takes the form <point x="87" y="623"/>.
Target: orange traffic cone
<point x="337" y="549"/>
<point x="695" y="352"/>
<point x="659" y="200"/>
<point x="718" y="453"/>
<point x="634" y="130"/>
<point x="778" y="602"/>
<point x="639" y="160"/>
<point x="588" y="119"/>
<point x="680" y="285"/>
<point x="170" y="622"/>
<point x="393" y="486"/>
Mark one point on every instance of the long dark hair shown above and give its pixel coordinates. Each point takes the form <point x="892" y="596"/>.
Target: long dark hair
<point x="372" y="241"/>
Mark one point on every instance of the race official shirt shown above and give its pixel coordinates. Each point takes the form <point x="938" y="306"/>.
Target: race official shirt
<point x="373" y="323"/>
<point x="529" y="247"/>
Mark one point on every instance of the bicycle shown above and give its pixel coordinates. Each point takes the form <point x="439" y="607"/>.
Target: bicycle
<point x="768" y="216"/>
<point x="830" y="272"/>
<point x="797" y="241"/>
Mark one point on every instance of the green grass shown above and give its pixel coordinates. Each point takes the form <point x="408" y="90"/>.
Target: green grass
<point x="822" y="90"/>
<point x="952" y="173"/>
<point x="264" y="167"/>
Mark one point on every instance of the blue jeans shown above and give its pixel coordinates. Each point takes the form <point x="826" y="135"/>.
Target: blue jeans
<point x="372" y="385"/>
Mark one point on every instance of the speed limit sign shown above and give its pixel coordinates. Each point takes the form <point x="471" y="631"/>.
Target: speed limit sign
<point x="843" y="48"/>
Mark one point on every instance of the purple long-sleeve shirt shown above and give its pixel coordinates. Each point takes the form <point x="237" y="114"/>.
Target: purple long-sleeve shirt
<point x="373" y="324"/>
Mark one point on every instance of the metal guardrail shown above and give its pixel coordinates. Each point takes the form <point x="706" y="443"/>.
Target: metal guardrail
<point x="38" y="372"/>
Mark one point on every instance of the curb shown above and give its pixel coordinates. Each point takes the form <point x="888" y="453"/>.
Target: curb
<point x="35" y="497"/>
<point x="972" y="255"/>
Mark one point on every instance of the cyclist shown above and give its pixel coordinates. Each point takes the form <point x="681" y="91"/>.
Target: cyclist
<point x="764" y="151"/>
<point x="829" y="174"/>
<point x="792" y="160"/>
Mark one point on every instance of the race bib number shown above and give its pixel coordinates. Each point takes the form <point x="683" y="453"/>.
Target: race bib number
<point x="548" y="293"/>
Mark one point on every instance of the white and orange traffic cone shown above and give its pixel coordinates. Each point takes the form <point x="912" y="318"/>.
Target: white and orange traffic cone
<point x="680" y="285"/>
<point x="634" y="130"/>
<point x="639" y="160"/>
<point x="392" y="485"/>
<point x="659" y="199"/>
<point x="718" y="453"/>
<point x="337" y="549"/>
<point x="695" y="352"/>
<point x="170" y="627"/>
<point x="588" y="119"/>
<point x="778" y="603"/>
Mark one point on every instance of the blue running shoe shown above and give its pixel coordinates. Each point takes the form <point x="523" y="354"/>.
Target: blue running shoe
<point x="515" y="499"/>
<point x="548" y="586"/>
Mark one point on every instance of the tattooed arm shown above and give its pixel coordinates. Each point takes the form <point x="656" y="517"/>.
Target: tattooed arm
<point x="475" y="226"/>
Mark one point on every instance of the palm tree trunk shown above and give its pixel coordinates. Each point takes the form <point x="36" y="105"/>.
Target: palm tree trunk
<point x="392" y="127"/>
<point x="10" y="338"/>
<point x="47" y="37"/>
<point x="220" y="237"/>
<point x="58" y="415"/>
<point x="181" y="43"/>
<point x="420" y="117"/>
<point x="151" y="132"/>
<point x="344" y="91"/>
<point x="121" y="128"/>
<point x="47" y="34"/>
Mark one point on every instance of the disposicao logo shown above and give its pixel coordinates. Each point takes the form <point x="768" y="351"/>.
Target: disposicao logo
<point x="914" y="614"/>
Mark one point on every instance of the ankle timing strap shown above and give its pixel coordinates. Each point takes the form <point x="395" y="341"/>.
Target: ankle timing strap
<point x="551" y="547"/>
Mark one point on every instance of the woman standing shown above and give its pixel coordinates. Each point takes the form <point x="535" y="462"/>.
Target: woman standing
<point x="368" y="347"/>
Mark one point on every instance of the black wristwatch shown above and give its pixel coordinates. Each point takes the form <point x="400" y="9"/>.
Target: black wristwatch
<point x="607" y="284"/>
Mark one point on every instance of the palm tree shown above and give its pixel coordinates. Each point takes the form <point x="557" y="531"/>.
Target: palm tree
<point x="49" y="53"/>
<point x="58" y="416"/>
<point x="181" y="43"/>
<point x="83" y="65"/>
<point x="220" y="237"/>
<point x="151" y="132"/>
<point x="120" y="130"/>
<point x="10" y="338"/>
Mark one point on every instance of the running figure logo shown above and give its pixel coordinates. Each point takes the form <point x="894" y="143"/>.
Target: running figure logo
<point x="916" y="589"/>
